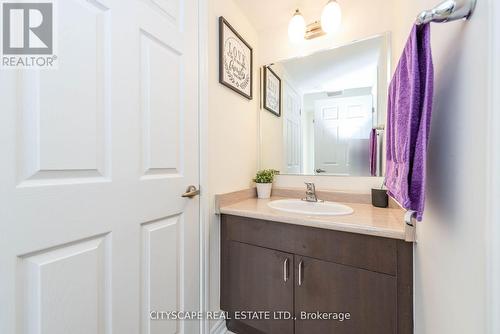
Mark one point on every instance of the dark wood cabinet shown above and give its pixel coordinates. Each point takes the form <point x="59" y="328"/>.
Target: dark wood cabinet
<point x="368" y="298"/>
<point x="260" y="279"/>
<point x="270" y="266"/>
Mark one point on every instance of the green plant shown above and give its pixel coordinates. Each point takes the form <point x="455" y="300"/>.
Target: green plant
<point x="265" y="176"/>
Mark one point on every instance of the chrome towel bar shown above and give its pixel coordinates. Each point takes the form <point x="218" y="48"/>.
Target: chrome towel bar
<point x="446" y="11"/>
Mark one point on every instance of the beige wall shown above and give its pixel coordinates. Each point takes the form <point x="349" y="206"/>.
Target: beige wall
<point x="232" y="129"/>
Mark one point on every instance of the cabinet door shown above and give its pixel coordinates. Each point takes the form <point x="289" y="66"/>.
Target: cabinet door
<point x="321" y="286"/>
<point x="257" y="279"/>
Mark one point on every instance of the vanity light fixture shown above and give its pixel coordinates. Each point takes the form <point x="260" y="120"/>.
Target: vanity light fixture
<point x="331" y="18"/>
<point x="297" y="27"/>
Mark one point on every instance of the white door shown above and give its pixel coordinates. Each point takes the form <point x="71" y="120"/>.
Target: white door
<point x="341" y="131"/>
<point x="95" y="156"/>
<point x="292" y="130"/>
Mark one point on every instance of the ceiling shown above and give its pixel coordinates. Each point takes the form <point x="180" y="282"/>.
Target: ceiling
<point x="350" y="66"/>
<point x="265" y="14"/>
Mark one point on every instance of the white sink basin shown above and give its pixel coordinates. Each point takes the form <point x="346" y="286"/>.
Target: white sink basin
<point x="311" y="208"/>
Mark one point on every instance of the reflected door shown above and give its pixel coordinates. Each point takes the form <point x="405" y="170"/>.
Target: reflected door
<point x="292" y="130"/>
<point x="341" y="132"/>
<point x="95" y="157"/>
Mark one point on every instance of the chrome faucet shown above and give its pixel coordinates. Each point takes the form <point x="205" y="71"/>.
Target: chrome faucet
<point x="310" y="193"/>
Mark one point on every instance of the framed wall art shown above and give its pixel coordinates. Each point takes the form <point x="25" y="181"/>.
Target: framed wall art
<point x="235" y="60"/>
<point x="272" y="91"/>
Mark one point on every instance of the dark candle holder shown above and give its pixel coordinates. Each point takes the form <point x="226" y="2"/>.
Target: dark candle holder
<point x="380" y="199"/>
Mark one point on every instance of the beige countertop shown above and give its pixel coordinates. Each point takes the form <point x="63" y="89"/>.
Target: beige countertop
<point x="366" y="219"/>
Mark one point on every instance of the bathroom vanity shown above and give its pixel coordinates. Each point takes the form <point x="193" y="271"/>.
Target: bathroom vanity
<point x="356" y="271"/>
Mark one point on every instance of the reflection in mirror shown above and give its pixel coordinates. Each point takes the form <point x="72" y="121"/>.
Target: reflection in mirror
<point x="333" y="110"/>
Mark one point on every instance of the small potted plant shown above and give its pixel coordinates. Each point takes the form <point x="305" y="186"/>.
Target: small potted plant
<point x="264" y="180"/>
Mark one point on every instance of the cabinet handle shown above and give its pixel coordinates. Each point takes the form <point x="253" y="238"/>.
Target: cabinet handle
<point x="301" y="272"/>
<point x="285" y="270"/>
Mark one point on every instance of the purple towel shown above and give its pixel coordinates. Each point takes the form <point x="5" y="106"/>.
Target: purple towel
<point x="408" y="122"/>
<point x="373" y="152"/>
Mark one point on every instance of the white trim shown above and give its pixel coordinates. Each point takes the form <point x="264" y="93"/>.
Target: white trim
<point x="219" y="328"/>
<point x="203" y="156"/>
<point x="492" y="236"/>
<point x="260" y="109"/>
<point x="414" y="302"/>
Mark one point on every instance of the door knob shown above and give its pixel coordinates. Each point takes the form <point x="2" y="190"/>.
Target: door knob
<point x="319" y="170"/>
<point x="191" y="192"/>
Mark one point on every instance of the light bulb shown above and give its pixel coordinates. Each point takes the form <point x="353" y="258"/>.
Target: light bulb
<point x="331" y="17"/>
<point x="297" y="28"/>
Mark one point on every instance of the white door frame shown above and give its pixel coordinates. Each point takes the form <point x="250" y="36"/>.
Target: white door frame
<point x="203" y="46"/>
<point x="492" y="233"/>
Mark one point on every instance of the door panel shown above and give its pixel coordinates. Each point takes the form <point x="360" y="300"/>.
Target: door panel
<point x="95" y="156"/>
<point x="162" y="261"/>
<point x="369" y="297"/>
<point x="255" y="278"/>
<point x="76" y="108"/>
<point x="341" y="130"/>
<point x="54" y="296"/>
<point x="161" y="71"/>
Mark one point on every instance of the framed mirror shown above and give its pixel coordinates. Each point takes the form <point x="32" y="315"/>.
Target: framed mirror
<point x="333" y="112"/>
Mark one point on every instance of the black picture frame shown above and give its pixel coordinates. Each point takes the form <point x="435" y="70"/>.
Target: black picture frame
<point x="269" y="72"/>
<point x="225" y="70"/>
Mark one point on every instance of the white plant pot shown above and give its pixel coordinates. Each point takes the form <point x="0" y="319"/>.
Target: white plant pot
<point x="264" y="190"/>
